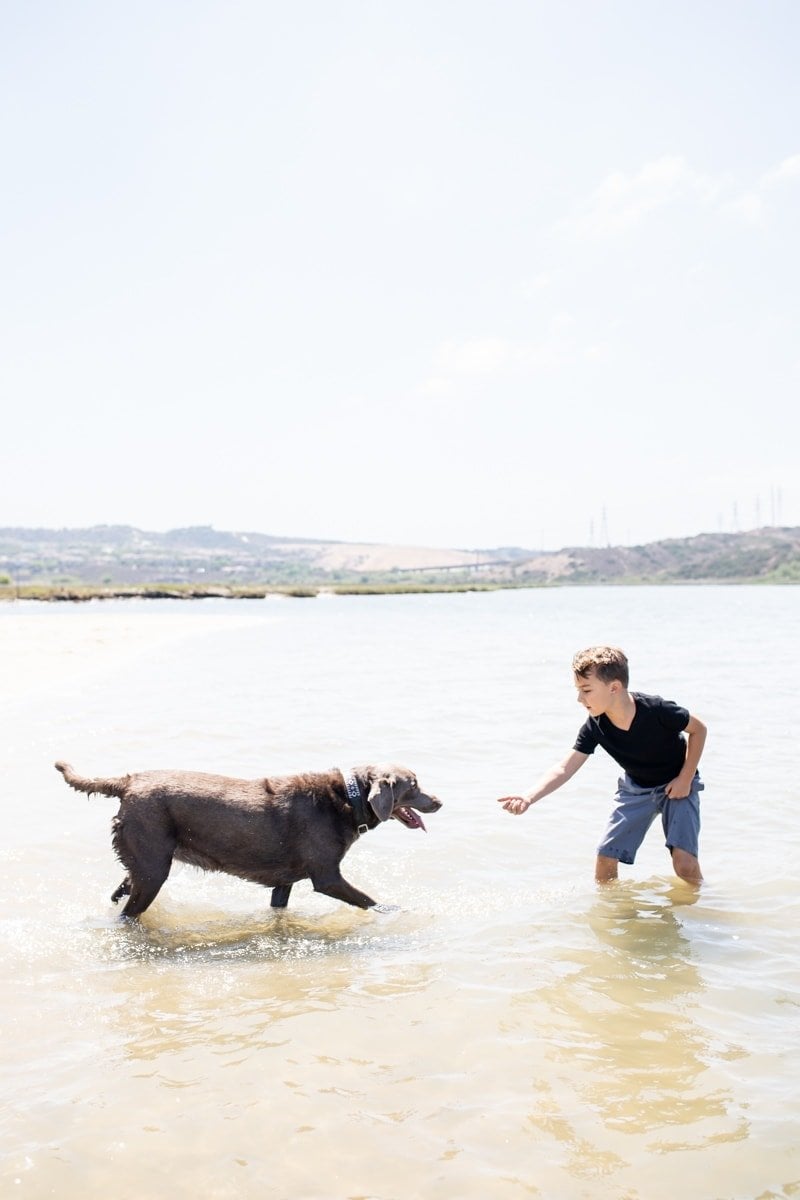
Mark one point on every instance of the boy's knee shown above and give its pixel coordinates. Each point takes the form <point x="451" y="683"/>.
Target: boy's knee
<point x="686" y="866"/>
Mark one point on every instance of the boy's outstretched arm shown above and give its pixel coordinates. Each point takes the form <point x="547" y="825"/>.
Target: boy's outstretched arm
<point x="681" y="785"/>
<point x="558" y="775"/>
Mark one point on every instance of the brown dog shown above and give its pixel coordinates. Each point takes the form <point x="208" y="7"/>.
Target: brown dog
<point x="270" y="831"/>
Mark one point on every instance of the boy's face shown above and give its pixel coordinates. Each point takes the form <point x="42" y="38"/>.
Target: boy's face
<point x="595" y="696"/>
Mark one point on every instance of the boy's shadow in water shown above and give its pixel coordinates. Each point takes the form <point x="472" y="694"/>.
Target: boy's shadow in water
<point x="625" y="1015"/>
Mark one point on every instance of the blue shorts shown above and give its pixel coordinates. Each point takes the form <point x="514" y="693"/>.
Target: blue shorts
<point x="635" y="809"/>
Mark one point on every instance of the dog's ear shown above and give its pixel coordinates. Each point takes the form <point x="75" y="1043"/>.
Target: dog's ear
<point x="381" y="796"/>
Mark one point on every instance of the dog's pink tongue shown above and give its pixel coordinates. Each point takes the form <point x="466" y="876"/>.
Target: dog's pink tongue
<point x="410" y="819"/>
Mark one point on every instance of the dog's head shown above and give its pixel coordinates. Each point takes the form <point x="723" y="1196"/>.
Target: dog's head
<point x="393" y="791"/>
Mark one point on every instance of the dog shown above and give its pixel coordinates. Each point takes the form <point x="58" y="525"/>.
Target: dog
<point x="273" y="831"/>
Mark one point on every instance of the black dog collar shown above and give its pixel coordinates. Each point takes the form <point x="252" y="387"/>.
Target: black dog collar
<point x="357" y="802"/>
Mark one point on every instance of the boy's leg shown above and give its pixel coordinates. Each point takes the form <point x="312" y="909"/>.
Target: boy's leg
<point x="605" y="869"/>
<point x="634" y="811"/>
<point x="681" y="821"/>
<point x="686" y="866"/>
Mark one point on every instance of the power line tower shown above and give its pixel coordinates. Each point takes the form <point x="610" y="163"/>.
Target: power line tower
<point x="604" y="529"/>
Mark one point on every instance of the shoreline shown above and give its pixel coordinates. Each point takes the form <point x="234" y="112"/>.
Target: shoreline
<point x="81" y="593"/>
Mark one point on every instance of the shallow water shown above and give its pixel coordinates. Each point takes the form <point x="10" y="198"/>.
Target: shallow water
<point x="511" y="1030"/>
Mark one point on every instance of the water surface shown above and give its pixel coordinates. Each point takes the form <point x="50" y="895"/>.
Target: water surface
<point x="511" y="1030"/>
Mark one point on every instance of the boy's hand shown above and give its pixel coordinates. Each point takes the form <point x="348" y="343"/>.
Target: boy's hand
<point x="679" y="788"/>
<point x="681" y="785"/>
<point x="515" y="804"/>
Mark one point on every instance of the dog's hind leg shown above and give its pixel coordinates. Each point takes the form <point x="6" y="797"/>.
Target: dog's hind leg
<point x="144" y="889"/>
<point x="124" y="889"/>
<point x="280" y="896"/>
<point x="147" y="862"/>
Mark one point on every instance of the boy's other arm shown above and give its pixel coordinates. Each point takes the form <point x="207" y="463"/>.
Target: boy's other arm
<point x="555" y="777"/>
<point x="681" y="785"/>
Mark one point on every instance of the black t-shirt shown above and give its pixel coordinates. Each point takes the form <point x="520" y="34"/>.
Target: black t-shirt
<point x="652" y="751"/>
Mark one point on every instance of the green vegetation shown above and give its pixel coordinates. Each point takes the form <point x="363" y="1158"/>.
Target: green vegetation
<point x="150" y="591"/>
<point x="787" y="572"/>
<point x="188" y="591"/>
<point x="412" y="589"/>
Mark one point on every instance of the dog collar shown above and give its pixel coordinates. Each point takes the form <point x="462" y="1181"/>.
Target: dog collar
<point x="357" y="802"/>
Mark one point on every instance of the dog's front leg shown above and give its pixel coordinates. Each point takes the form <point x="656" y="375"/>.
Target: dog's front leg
<point x="333" y="884"/>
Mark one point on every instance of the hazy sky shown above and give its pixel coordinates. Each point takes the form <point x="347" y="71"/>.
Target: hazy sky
<point x="443" y="272"/>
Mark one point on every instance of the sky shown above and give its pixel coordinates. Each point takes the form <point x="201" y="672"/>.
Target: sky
<point x="468" y="273"/>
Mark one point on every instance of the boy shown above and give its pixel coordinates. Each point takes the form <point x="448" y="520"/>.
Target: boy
<point x="644" y="734"/>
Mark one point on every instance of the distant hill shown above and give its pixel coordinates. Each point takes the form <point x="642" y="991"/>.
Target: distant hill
<point x="122" y="554"/>
<point x="770" y="554"/>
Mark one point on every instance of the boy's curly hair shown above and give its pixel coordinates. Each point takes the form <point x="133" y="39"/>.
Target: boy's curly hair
<point x="607" y="662"/>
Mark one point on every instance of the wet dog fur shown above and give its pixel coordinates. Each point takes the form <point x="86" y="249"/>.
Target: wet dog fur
<point x="273" y="831"/>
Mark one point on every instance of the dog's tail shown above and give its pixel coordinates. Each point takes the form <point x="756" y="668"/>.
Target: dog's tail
<point x="106" y="787"/>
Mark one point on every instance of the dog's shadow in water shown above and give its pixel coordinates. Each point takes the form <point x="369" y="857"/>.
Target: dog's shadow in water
<point x="192" y="977"/>
<point x="191" y="933"/>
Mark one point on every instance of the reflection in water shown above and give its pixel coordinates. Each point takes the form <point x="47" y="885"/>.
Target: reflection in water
<point x="234" y="986"/>
<point x="624" y="1015"/>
